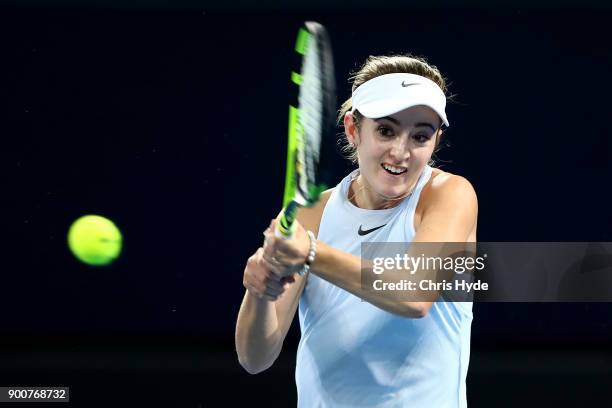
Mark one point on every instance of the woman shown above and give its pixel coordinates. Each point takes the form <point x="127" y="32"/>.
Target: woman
<point x="362" y="347"/>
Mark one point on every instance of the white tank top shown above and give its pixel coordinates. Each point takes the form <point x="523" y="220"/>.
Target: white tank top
<point x="354" y="354"/>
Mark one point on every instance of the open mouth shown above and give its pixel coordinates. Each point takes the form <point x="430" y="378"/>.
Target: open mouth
<point x="394" y="170"/>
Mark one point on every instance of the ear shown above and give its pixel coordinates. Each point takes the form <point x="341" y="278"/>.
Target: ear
<point x="350" y="129"/>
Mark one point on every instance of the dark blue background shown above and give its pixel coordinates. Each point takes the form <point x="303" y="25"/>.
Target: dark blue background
<point x="173" y="124"/>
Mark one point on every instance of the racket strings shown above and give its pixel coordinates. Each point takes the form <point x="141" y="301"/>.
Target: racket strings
<point x="310" y="120"/>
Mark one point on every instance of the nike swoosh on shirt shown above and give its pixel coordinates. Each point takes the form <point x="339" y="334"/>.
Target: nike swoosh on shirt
<point x="366" y="232"/>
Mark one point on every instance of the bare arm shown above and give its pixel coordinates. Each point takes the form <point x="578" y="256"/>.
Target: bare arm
<point x="263" y="324"/>
<point x="449" y="217"/>
<point x="267" y="308"/>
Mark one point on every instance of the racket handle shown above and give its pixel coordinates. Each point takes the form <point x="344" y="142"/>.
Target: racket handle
<point x="285" y="227"/>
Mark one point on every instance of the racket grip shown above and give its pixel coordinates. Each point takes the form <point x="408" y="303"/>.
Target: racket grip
<point x="285" y="227"/>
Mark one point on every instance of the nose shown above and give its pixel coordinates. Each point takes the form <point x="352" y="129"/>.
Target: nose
<point x="399" y="149"/>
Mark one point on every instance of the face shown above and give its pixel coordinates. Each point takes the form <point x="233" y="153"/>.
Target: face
<point x="392" y="153"/>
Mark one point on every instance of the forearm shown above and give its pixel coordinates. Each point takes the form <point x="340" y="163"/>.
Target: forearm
<point x="258" y="338"/>
<point x="344" y="270"/>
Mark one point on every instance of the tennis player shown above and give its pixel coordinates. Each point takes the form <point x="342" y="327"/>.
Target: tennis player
<point x="363" y="348"/>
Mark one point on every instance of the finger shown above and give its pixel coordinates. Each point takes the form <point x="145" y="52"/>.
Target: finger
<point x="270" y="243"/>
<point x="265" y="233"/>
<point x="287" y="280"/>
<point x="270" y="298"/>
<point x="261" y="254"/>
<point x="270" y="227"/>
<point x="286" y="249"/>
<point x="271" y="258"/>
<point x="281" y="273"/>
<point x="274" y="287"/>
<point x="252" y="290"/>
<point x="256" y="284"/>
<point x="274" y="291"/>
<point x="276" y="270"/>
<point x="262" y="295"/>
<point x="289" y="271"/>
<point x="280" y="247"/>
<point x="275" y="261"/>
<point x="284" y="262"/>
<point x="257" y="254"/>
<point x="283" y="269"/>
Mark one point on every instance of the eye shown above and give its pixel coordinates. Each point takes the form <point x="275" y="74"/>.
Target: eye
<point x="421" y="138"/>
<point x="385" y="131"/>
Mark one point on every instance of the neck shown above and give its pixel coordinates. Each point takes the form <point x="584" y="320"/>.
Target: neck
<point x="362" y="196"/>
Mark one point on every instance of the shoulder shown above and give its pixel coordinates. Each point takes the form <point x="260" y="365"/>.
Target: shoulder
<point x="447" y="190"/>
<point x="447" y="210"/>
<point x="445" y="185"/>
<point x="310" y="218"/>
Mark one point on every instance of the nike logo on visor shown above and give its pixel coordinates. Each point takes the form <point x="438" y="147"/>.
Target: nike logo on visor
<point x="404" y="84"/>
<point x="366" y="232"/>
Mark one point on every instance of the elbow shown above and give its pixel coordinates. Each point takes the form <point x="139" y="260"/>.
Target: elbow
<point x="253" y="368"/>
<point x="416" y="310"/>
<point x="249" y="368"/>
<point x="254" y="371"/>
<point x="420" y="313"/>
<point x="256" y="364"/>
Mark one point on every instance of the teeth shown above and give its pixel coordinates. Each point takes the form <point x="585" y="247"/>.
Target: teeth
<point x="392" y="169"/>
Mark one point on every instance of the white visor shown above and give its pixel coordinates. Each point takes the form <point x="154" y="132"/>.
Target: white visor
<point x="391" y="93"/>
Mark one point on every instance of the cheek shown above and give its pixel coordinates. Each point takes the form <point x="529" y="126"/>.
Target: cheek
<point x="424" y="153"/>
<point x="371" y="148"/>
<point x="373" y="155"/>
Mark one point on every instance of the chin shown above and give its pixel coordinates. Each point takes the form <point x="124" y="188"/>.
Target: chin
<point x="393" y="193"/>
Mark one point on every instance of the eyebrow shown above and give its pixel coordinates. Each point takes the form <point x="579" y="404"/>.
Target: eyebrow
<point x="419" y="124"/>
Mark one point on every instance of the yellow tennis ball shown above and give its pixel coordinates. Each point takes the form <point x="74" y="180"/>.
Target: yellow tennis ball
<point x="95" y="240"/>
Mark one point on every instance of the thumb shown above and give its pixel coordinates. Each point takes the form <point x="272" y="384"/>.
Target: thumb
<point x="274" y="227"/>
<point x="288" y="279"/>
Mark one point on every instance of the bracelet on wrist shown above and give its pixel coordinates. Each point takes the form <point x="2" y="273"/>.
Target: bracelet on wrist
<point x="312" y="253"/>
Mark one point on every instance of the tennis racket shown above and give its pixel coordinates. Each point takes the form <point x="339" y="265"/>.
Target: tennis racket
<point x="311" y="122"/>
